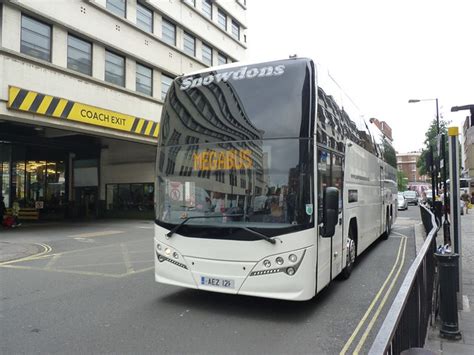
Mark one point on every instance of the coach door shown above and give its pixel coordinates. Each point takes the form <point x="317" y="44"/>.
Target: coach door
<point x="330" y="250"/>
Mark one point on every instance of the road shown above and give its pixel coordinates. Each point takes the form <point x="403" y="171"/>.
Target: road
<point x="93" y="291"/>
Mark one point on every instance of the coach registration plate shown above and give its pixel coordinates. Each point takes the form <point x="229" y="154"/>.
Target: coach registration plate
<point x="217" y="282"/>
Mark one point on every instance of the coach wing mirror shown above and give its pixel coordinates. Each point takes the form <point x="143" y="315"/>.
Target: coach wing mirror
<point x="330" y="212"/>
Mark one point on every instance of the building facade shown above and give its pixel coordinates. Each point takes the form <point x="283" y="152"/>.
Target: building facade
<point x="82" y="84"/>
<point x="468" y="146"/>
<point x="406" y="163"/>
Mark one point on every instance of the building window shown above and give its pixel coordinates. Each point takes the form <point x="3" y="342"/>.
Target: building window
<point x="144" y="18"/>
<point x="221" y="59"/>
<point x="169" y="32"/>
<point x="79" y="55"/>
<point x="191" y="2"/>
<point x="165" y="85"/>
<point x="116" y="6"/>
<point x="189" y="44"/>
<point x="114" y="68"/>
<point x="222" y="19"/>
<point x="35" y="38"/>
<point x="235" y="30"/>
<point x="206" y="54"/>
<point x="144" y="80"/>
<point x="207" y="8"/>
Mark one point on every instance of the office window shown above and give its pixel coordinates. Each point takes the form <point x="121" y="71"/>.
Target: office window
<point x="206" y="54"/>
<point x="79" y="55"/>
<point x="144" y="18"/>
<point x="116" y="6"/>
<point x="35" y="38"/>
<point x="235" y="30"/>
<point x="169" y="32"/>
<point x="207" y="8"/>
<point x="144" y="79"/>
<point x="114" y="68"/>
<point x="165" y="85"/>
<point x="221" y="59"/>
<point x="189" y="44"/>
<point x="222" y="19"/>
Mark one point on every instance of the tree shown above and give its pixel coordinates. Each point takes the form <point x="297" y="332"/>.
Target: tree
<point x="432" y="140"/>
<point x="402" y="181"/>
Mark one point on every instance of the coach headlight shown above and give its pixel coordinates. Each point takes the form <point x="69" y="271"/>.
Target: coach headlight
<point x="286" y="263"/>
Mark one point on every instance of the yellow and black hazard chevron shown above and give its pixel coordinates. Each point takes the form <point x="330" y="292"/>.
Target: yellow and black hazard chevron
<point x="56" y="107"/>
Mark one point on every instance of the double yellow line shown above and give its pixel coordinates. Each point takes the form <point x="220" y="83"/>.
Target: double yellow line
<point x="370" y="324"/>
<point x="46" y="250"/>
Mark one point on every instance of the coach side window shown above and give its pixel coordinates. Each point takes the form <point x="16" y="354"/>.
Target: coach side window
<point x="324" y="178"/>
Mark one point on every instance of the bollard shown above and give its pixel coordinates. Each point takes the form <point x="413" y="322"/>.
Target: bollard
<point x="447" y="265"/>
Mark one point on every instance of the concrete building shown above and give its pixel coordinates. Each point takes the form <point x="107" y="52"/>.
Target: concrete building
<point x="468" y="146"/>
<point x="82" y="84"/>
<point x="406" y="162"/>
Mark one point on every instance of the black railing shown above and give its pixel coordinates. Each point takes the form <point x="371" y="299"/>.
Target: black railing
<point x="406" y="323"/>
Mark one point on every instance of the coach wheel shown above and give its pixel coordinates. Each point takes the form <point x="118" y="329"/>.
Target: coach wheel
<point x="350" y="256"/>
<point x="388" y="228"/>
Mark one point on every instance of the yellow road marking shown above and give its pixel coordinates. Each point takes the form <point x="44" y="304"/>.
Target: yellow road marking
<point x="52" y="261"/>
<point x="77" y="272"/>
<point x="46" y="249"/>
<point x="382" y="303"/>
<point x="108" y="264"/>
<point x="374" y="301"/>
<point x="95" y="234"/>
<point x="138" y="271"/>
<point x="126" y="258"/>
<point x="89" y="273"/>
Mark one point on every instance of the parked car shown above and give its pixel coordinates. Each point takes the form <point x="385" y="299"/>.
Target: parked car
<point x="411" y="197"/>
<point x="402" y="202"/>
<point x="428" y="197"/>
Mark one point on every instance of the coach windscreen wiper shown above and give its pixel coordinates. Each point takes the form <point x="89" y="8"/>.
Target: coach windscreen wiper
<point x="258" y="234"/>
<point x="175" y="229"/>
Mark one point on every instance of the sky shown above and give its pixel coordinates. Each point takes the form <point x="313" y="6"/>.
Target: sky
<point x="382" y="53"/>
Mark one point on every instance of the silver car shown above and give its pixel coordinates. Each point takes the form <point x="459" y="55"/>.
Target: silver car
<point x="411" y="197"/>
<point x="402" y="202"/>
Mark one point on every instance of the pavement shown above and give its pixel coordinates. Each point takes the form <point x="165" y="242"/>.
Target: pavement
<point x="465" y="345"/>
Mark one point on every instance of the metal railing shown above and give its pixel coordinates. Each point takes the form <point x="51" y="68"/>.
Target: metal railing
<point x="406" y="323"/>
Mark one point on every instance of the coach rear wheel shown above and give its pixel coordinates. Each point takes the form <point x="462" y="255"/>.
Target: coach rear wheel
<point x="388" y="228"/>
<point x="350" y="257"/>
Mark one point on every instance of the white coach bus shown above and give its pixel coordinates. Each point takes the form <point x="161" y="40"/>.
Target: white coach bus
<point x="265" y="186"/>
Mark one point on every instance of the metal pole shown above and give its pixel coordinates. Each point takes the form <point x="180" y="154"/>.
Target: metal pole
<point x="446" y="225"/>
<point x="433" y="180"/>
<point x="453" y="133"/>
<point x="437" y="116"/>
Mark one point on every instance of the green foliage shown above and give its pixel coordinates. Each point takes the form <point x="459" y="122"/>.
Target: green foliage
<point x="402" y="180"/>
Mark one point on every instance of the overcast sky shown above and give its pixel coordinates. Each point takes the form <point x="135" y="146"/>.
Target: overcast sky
<point x="381" y="52"/>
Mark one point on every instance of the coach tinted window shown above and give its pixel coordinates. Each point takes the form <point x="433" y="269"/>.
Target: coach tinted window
<point x="227" y="98"/>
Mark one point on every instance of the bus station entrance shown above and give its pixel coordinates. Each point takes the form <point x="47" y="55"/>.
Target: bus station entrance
<point x="55" y="174"/>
